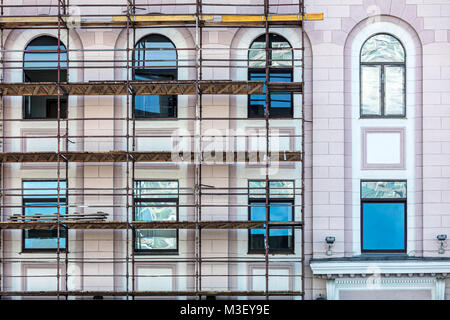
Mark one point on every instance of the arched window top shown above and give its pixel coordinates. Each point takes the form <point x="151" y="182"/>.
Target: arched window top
<point x="42" y="53"/>
<point x="382" y="48"/>
<point x="165" y="58"/>
<point x="155" y="59"/>
<point x="383" y="70"/>
<point x="280" y="53"/>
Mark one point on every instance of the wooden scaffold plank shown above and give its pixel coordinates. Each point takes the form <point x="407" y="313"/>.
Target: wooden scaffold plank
<point x="150" y="156"/>
<point x="181" y="87"/>
<point x="162" y="19"/>
<point x="151" y="293"/>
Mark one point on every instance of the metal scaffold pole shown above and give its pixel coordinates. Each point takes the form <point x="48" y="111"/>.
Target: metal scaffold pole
<point x="199" y="60"/>
<point x="302" y="190"/>
<point x="267" y="164"/>
<point x="2" y="167"/>
<point x="198" y="147"/>
<point x="127" y="177"/>
<point x="58" y="181"/>
<point x="133" y="148"/>
<point x="66" y="251"/>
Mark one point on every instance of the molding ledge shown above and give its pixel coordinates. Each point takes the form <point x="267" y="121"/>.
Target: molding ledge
<point x="339" y="269"/>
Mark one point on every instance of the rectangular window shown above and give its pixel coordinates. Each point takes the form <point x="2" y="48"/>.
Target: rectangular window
<point x="281" y="208"/>
<point x="156" y="201"/>
<point x="370" y="90"/>
<point x="383" y="216"/>
<point x="155" y="106"/>
<point x="394" y="89"/>
<point x="44" y="107"/>
<point x="41" y="198"/>
<point x="280" y="103"/>
<point x="383" y="90"/>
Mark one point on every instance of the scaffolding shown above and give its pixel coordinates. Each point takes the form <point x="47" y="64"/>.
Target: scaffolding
<point x="197" y="16"/>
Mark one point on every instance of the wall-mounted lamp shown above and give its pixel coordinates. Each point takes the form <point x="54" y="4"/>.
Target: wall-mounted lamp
<point x="443" y="243"/>
<point x="330" y="242"/>
<point x="321" y="297"/>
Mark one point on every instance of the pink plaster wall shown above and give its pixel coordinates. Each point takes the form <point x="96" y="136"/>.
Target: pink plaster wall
<point x="428" y="22"/>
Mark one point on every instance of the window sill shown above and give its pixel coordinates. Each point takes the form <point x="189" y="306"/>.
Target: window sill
<point x="384" y="118"/>
<point x="271" y="252"/>
<point x="42" y="251"/>
<point x="158" y="253"/>
<point x="41" y="119"/>
<point x="273" y="118"/>
<point x="153" y="118"/>
<point x="375" y="253"/>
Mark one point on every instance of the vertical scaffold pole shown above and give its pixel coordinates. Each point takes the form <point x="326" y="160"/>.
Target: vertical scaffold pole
<point x="302" y="230"/>
<point x="266" y="117"/>
<point x="2" y="171"/>
<point x="133" y="160"/>
<point x="197" y="149"/>
<point x="58" y="181"/>
<point x="127" y="135"/>
<point x="66" y="262"/>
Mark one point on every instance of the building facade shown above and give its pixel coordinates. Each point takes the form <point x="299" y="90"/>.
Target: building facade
<point x="168" y="176"/>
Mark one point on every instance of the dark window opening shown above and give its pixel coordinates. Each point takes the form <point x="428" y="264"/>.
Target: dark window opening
<point x="41" y="65"/>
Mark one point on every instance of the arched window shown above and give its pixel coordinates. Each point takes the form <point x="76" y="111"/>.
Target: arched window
<point x="155" y="64"/>
<point x="280" y="69"/>
<point x="40" y="63"/>
<point x="383" y="77"/>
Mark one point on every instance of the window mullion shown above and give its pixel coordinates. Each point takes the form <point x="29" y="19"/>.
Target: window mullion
<point x="382" y="82"/>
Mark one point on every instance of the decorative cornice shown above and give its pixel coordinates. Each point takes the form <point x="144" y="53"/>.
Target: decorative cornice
<point x="340" y="269"/>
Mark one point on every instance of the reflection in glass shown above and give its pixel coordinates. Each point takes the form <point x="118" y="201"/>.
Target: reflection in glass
<point x="42" y="53"/>
<point x="155" y="211"/>
<point x="280" y="53"/>
<point x="40" y="63"/>
<point x="383" y="77"/>
<point x="277" y="189"/>
<point x="370" y="90"/>
<point x="382" y="48"/>
<point x="156" y="189"/>
<point x="383" y="190"/>
<point x="279" y="239"/>
<point x="43" y="201"/>
<point x="155" y="59"/>
<point x="156" y="201"/>
<point x="280" y="70"/>
<point x="394" y="90"/>
<point x="280" y="103"/>
<point x="156" y="239"/>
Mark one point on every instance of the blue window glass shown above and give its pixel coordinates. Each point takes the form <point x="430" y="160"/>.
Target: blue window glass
<point x="155" y="59"/>
<point x="383" y="216"/>
<point x="384" y="226"/>
<point x="279" y="239"/>
<point x="281" y="204"/>
<point x="156" y="201"/>
<point x="40" y="198"/>
<point x="41" y="65"/>
<point x="280" y="70"/>
<point x="280" y="103"/>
